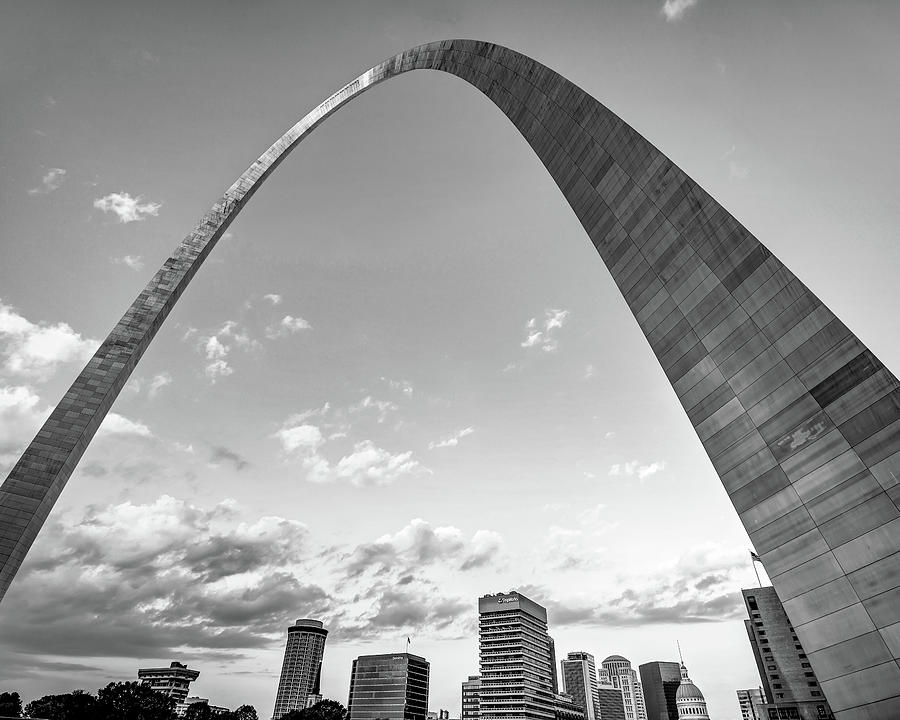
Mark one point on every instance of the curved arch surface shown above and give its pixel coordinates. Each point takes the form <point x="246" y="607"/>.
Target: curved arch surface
<point x="799" y="419"/>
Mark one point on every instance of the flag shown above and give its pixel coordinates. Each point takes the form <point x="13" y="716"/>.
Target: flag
<point x="408" y="641"/>
<point x="754" y="557"/>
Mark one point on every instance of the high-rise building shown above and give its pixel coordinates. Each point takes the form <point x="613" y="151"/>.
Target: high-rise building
<point x="471" y="692"/>
<point x="554" y="680"/>
<point x="621" y="675"/>
<point x="579" y="675"/>
<point x="788" y="680"/>
<point x="514" y="657"/>
<point x="566" y="708"/>
<point x="660" y="681"/>
<point x="610" y="701"/>
<point x="302" y="667"/>
<point x="174" y="680"/>
<point x="750" y="702"/>
<point x="393" y="686"/>
<point x="689" y="700"/>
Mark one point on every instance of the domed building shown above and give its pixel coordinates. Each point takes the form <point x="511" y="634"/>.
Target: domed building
<point x="689" y="700"/>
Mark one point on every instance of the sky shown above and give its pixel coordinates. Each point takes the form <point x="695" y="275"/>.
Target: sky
<point x="404" y="378"/>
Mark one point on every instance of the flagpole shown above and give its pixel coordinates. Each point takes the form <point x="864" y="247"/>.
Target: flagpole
<point x="754" y="558"/>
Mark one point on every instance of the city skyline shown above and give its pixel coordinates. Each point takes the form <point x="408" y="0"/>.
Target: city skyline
<point x="399" y="544"/>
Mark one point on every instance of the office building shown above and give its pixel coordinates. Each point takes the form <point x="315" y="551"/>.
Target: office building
<point x="173" y="681"/>
<point x="393" y="686"/>
<point x="750" y="702"/>
<point x="302" y="667"/>
<point x="610" y="701"/>
<point x="514" y="657"/>
<point x="554" y="679"/>
<point x="471" y="692"/>
<point x="788" y="680"/>
<point x="579" y="675"/>
<point x="689" y="700"/>
<point x="566" y="708"/>
<point x="214" y="710"/>
<point x="620" y="674"/>
<point x="660" y="681"/>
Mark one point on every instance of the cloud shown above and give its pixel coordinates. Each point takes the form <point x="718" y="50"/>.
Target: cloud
<point x="288" y="325"/>
<point x="633" y="467"/>
<point x="164" y="576"/>
<point x="452" y="440"/>
<point x="157" y="383"/>
<point x="700" y="586"/>
<point x="220" y="453"/>
<point x="674" y="9"/>
<point x="403" y="386"/>
<point x="36" y="349"/>
<point x="382" y="407"/>
<point x="134" y="262"/>
<point x="217" y="348"/>
<point x="736" y="171"/>
<point x="50" y="182"/>
<point x="20" y="418"/>
<point x="126" y="208"/>
<point x="418" y="545"/>
<point x="369" y="464"/>
<point x="542" y="333"/>
<point x="115" y="424"/>
<point x="273" y="298"/>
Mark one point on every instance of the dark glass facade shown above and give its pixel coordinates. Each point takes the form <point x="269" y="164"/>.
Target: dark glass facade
<point x="660" y="681"/>
<point x="610" y="702"/>
<point x="389" y="687"/>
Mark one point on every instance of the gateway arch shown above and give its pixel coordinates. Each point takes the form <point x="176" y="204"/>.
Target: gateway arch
<point x="800" y="420"/>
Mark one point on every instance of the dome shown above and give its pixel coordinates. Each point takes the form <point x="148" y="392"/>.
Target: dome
<point x="616" y="658"/>
<point x="688" y="691"/>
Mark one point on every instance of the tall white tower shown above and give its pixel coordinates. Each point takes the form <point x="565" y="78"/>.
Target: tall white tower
<point x="623" y="677"/>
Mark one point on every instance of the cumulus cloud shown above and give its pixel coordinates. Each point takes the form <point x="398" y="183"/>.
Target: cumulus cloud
<point x="133" y="262"/>
<point x="217" y="348"/>
<point x="403" y="386"/>
<point x="20" y="418"/>
<point x="369" y="464"/>
<point x="157" y="383"/>
<point x="273" y="298"/>
<point x="451" y="440"/>
<point x="419" y="545"/>
<point x="36" y="349"/>
<point x="115" y="424"/>
<point x="50" y="182"/>
<point x="126" y="208"/>
<point x="288" y="325"/>
<point x="736" y="170"/>
<point x="541" y="332"/>
<point x="674" y="9"/>
<point x="382" y="408"/>
<point x="223" y="454"/>
<point x="163" y="575"/>
<point x="635" y="468"/>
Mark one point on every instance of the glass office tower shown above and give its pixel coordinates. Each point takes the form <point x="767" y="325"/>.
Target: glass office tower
<point x="393" y="686"/>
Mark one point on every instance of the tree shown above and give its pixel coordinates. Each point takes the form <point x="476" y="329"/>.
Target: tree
<point x="133" y="701"/>
<point x="244" y="712"/>
<point x="10" y="704"/>
<point x="322" y="710"/>
<point x="77" y="705"/>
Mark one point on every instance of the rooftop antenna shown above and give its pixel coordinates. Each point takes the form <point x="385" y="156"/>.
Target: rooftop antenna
<point x="680" y="657"/>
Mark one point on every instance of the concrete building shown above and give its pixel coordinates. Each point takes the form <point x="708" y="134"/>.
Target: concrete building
<point x="610" y="701"/>
<point x="393" y="686"/>
<point x="620" y="675"/>
<point x="579" y="675"/>
<point x="302" y="667"/>
<point x="214" y="710"/>
<point x="515" y="661"/>
<point x="471" y="693"/>
<point x="788" y="679"/>
<point x="750" y="702"/>
<point x="174" y="681"/>
<point x="689" y="700"/>
<point x="660" y="681"/>
<point x="554" y="679"/>
<point x="566" y="708"/>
